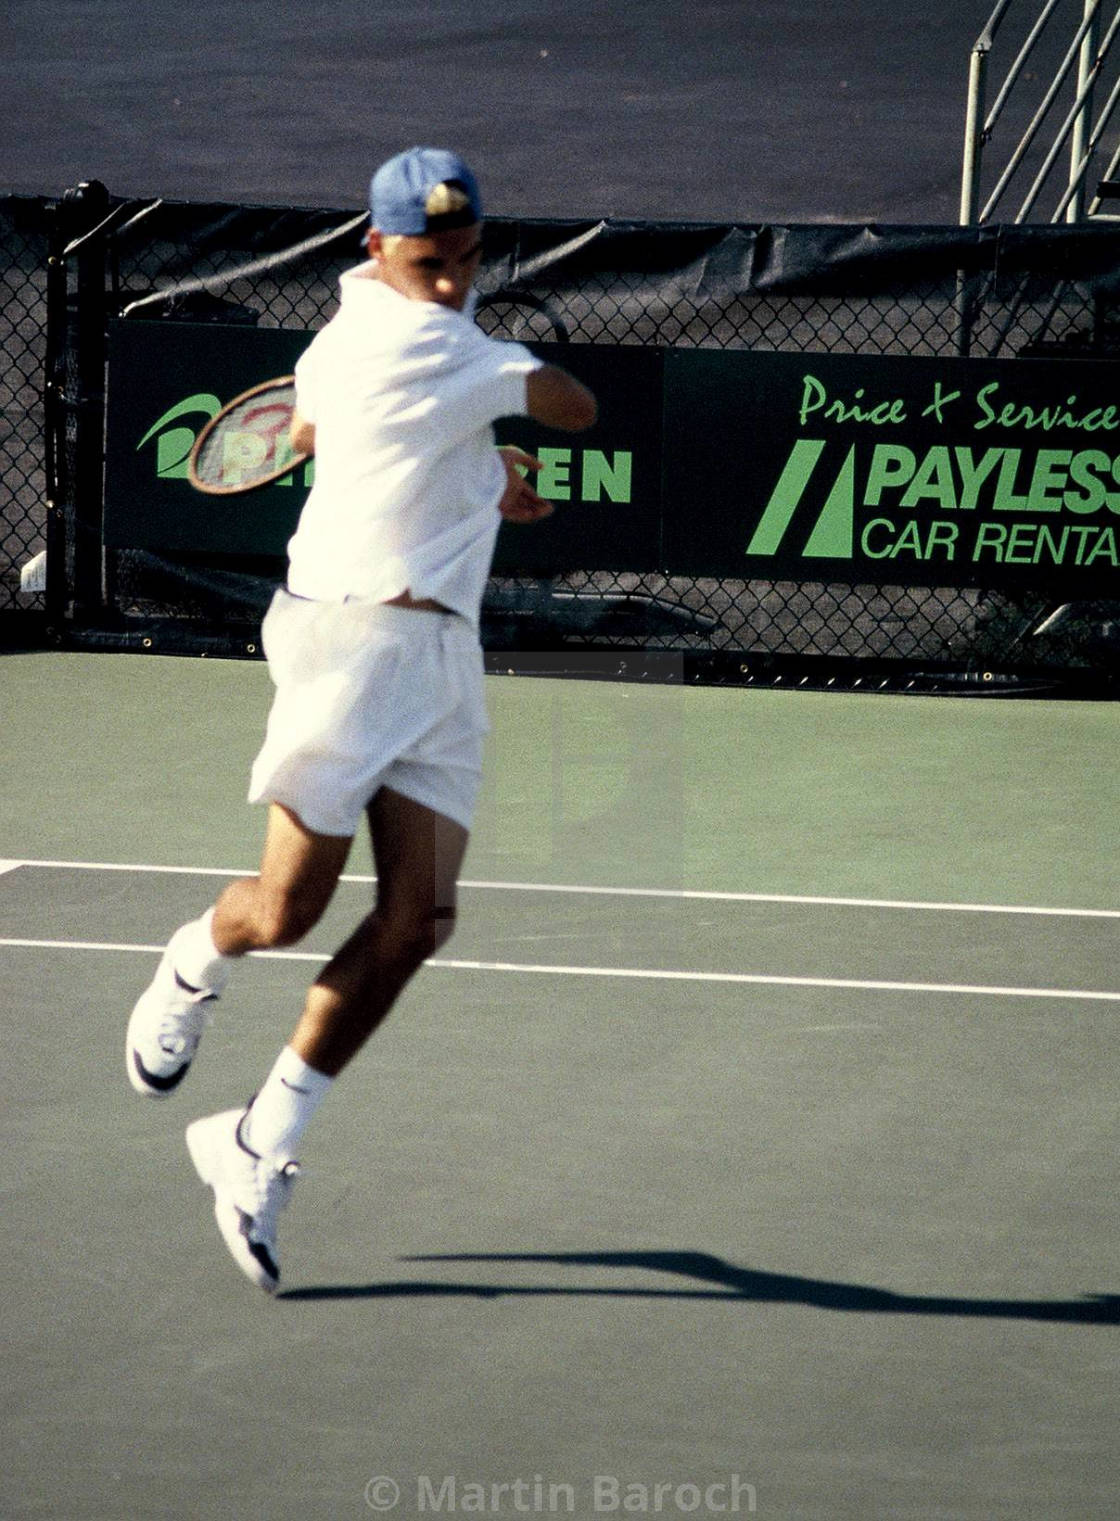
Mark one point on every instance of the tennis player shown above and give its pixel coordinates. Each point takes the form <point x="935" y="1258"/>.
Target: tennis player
<point x="374" y="652"/>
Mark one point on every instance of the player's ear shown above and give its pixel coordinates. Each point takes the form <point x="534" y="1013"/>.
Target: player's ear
<point x="373" y="242"/>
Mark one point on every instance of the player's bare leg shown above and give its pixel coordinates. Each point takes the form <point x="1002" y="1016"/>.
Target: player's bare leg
<point x="245" y="1155"/>
<point x="298" y="875"/>
<point x="417" y="854"/>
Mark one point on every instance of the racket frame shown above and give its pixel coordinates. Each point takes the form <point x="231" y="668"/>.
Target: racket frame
<point x="290" y="463"/>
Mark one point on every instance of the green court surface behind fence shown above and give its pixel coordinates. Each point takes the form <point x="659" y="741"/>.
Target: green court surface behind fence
<point x="608" y="783"/>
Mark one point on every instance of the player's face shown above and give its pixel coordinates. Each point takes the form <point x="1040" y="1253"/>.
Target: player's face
<point x="440" y="267"/>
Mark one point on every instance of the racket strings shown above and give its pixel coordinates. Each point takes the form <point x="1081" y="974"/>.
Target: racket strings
<point x="247" y="443"/>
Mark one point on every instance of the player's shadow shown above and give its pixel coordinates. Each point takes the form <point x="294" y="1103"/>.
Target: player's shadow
<point x="724" y="1282"/>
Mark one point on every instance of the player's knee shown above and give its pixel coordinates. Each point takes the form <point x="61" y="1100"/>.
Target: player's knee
<point x="431" y="931"/>
<point x="415" y="937"/>
<point x="284" y="919"/>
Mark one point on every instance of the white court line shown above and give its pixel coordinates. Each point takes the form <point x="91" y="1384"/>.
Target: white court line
<point x="655" y="974"/>
<point x="584" y="889"/>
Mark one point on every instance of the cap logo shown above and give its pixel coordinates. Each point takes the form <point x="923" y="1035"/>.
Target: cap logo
<point x="447" y="199"/>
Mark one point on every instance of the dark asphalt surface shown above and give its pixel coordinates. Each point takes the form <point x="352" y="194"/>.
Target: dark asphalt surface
<point x="783" y="110"/>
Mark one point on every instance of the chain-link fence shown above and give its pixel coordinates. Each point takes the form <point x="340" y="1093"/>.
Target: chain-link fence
<point x="991" y="293"/>
<point x="24" y="252"/>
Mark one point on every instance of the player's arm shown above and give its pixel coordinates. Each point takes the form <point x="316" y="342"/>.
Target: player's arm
<point x="302" y="434"/>
<point x="558" y="400"/>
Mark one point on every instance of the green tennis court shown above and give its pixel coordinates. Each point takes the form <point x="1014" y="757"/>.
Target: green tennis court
<point x="750" y="1149"/>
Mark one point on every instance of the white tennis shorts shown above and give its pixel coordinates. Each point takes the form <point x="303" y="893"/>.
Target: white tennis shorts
<point x="369" y="696"/>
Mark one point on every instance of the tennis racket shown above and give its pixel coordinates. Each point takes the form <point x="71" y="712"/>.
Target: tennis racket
<point x="246" y="444"/>
<point x="521" y="315"/>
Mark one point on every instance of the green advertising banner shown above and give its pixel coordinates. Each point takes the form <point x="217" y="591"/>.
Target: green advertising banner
<point x="166" y="380"/>
<point x="818" y="467"/>
<point x="799" y="467"/>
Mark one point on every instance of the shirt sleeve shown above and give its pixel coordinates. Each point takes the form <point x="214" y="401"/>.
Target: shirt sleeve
<point x="513" y="371"/>
<point x="490" y="385"/>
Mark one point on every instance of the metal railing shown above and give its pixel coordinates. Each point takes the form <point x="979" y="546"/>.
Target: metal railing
<point x="1061" y="144"/>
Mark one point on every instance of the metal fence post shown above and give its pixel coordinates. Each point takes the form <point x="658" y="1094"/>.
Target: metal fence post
<point x="88" y="206"/>
<point x="58" y="492"/>
<point x="1086" y="66"/>
<point x="970" y="172"/>
<point x="974" y="131"/>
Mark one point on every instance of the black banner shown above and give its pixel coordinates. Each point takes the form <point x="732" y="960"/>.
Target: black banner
<point x="606" y="483"/>
<point x="166" y="380"/>
<point x="898" y="471"/>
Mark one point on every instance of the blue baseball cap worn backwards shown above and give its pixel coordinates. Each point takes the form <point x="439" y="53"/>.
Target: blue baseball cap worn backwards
<point x="408" y="195"/>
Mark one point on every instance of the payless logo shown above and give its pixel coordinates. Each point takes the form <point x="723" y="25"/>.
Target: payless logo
<point x="999" y="505"/>
<point x="833" y="534"/>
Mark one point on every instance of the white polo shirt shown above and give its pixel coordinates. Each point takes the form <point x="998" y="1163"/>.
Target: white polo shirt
<point x="403" y="395"/>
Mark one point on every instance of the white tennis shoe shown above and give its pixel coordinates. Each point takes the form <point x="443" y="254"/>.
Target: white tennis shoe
<point x="164" y="1031"/>
<point x="249" y="1192"/>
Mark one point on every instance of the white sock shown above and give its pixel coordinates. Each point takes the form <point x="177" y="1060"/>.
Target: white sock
<point x="291" y="1094"/>
<point x="197" y="959"/>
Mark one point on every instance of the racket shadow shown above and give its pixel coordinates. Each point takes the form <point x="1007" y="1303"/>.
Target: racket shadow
<point x="723" y="1282"/>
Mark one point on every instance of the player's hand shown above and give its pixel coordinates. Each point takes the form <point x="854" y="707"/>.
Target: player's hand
<point x="519" y="502"/>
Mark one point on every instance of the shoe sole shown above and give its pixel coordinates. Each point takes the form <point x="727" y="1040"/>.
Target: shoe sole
<point x="202" y="1154"/>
